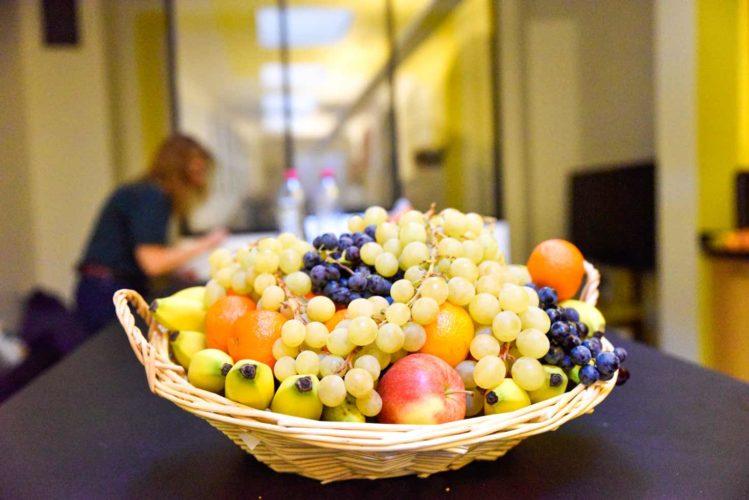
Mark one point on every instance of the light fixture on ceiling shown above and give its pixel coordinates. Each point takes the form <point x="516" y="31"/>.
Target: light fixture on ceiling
<point x="308" y="26"/>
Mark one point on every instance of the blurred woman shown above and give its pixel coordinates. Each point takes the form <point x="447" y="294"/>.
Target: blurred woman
<point x="130" y="243"/>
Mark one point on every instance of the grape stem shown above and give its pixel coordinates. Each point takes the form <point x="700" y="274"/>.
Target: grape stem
<point x="295" y="303"/>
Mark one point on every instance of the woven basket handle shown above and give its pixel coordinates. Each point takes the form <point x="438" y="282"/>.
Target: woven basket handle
<point x="589" y="292"/>
<point x="144" y="350"/>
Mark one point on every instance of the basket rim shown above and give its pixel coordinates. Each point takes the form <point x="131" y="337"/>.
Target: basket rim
<point x="167" y="379"/>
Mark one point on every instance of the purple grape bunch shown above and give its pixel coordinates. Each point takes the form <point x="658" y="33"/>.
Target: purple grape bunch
<point x="577" y="350"/>
<point x="336" y="270"/>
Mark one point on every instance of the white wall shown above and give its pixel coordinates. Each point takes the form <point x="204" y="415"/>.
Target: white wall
<point x="57" y="151"/>
<point x="578" y="81"/>
<point x="676" y="143"/>
<point x="16" y="249"/>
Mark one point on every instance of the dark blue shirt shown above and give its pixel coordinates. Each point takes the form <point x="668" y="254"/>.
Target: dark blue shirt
<point x="135" y="214"/>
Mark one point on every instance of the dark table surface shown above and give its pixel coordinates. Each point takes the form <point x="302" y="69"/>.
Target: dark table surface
<point x="89" y="427"/>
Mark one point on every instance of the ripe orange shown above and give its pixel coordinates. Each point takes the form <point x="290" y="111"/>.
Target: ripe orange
<point x="558" y="264"/>
<point x="449" y="336"/>
<point x="339" y="316"/>
<point x="221" y="316"/>
<point x="253" y="336"/>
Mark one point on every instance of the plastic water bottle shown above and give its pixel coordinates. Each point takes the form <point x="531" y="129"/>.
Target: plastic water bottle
<point x="326" y="201"/>
<point x="290" y="205"/>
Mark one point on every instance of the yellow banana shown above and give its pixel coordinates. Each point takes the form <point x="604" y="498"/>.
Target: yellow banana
<point x="193" y="293"/>
<point x="179" y="313"/>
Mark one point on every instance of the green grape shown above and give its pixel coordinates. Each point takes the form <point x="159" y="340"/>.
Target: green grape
<point x="414" y="254"/>
<point x="519" y="274"/>
<point x="424" y="310"/>
<point x="302" y="247"/>
<point x="535" y="318"/>
<point x="491" y="247"/>
<point x="465" y="370"/>
<point x="359" y="382"/>
<point x="280" y="349"/>
<point x="490" y="267"/>
<point x="475" y="223"/>
<point x="239" y="283"/>
<point x="398" y="313"/>
<point x="528" y="373"/>
<point x="246" y="257"/>
<point x="356" y="224"/>
<point x="398" y="355"/>
<point x="506" y="326"/>
<point x="271" y="244"/>
<point x="369" y="363"/>
<point x="379" y="305"/>
<point x="284" y="368"/>
<point x="272" y="297"/>
<point x="299" y="283"/>
<point x="287" y="240"/>
<point x="489" y="372"/>
<point x="461" y="291"/>
<point x="450" y="247"/>
<point x="382" y="357"/>
<point x="219" y="258"/>
<point x="483" y="308"/>
<point x="213" y="292"/>
<point x="386" y="264"/>
<point x="443" y="266"/>
<point x="414" y="274"/>
<point x="375" y="215"/>
<point x="533" y="299"/>
<point x="263" y="281"/>
<point x="532" y="343"/>
<point x="293" y="333"/>
<point x="224" y="275"/>
<point x="473" y="251"/>
<point x="483" y="346"/>
<point x="315" y="334"/>
<point x="332" y="365"/>
<point x="436" y="288"/>
<point x="513" y="298"/>
<point x="484" y="330"/>
<point x="362" y="331"/>
<point x="320" y="308"/>
<point x="266" y="261"/>
<point x="402" y="291"/>
<point x="393" y="246"/>
<point x="465" y="268"/>
<point x="489" y="284"/>
<point x="338" y="342"/>
<point x="290" y="261"/>
<point x="360" y="307"/>
<point x="369" y="252"/>
<point x="332" y="390"/>
<point x="307" y="363"/>
<point x="385" y="231"/>
<point x="455" y="223"/>
<point x="414" y="337"/>
<point x="390" y="337"/>
<point x="369" y="405"/>
<point x="412" y="231"/>
<point x="411" y="216"/>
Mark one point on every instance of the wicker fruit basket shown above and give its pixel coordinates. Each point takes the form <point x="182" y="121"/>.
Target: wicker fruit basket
<point x="335" y="451"/>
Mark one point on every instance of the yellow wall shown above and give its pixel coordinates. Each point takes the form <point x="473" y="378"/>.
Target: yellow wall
<point x="722" y="142"/>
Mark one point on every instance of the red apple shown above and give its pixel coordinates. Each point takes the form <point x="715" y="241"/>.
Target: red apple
<point x="421" y="389"/>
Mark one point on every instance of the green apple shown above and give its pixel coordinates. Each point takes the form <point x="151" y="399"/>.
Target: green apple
<point x="590" y="315"/>
<point x="208" y="369"/>
<point x="554" y="384"/>
<point x="185" y="344"/>
<point x="507" y="396"/>
<point x="251" y="383"/>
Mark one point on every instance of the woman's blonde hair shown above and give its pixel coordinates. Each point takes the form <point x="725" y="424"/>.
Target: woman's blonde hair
<point x="169" y="169"/>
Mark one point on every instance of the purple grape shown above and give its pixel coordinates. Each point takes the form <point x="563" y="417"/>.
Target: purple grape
<point x="594" y="346"/>
<point x="582" y="328"/>
<point x="566" y="363"/>
<point x="332" y="273"/>
<point x="352" y="254"/>
<point x="329" y="241"/>
<point x="357" y="282"/>
<point x="571" y="314"/>
<point x="588" y="375"/>
<point x="620" y="353"/>
<point x="623" y="376"/>
<point x="330" y="289"/>
<point x="572" y="341"/>
<point x="547" y="295"/>
<point x="344" y="242"/>
<point x="580" y="355"/>
<point x="311" y="259"/>
<point x="370" y="230"/>
<point x="554" y="314"/>
<point x="607" y="363"/>
<point x="318" y="275"/>
<point x="317" y="242"/>
<point x="554" y="356"/>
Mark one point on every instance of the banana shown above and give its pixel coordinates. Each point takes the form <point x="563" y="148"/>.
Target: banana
<point x="179" y="313"/>
<point x="196" y="293"/>
<point x="297" y="396"/>
<point x="345" y="412"/>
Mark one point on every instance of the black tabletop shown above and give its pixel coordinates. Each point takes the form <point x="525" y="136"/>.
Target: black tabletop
<point x="89" y="427"/>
